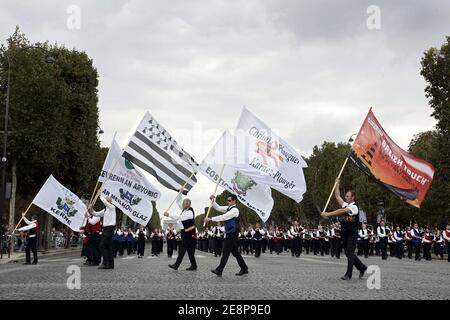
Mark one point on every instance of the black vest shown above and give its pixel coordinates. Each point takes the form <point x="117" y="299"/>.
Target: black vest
<point x="349" y="224"/>
<point x="190" y="222"/>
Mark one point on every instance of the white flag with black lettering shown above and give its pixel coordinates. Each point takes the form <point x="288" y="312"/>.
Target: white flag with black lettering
<point x="280" y="165"/>
<point x="129" y="189"/>
<point x="61" y="203"/>
<point x="154" y="150"/>
<point x="237" y="177"/>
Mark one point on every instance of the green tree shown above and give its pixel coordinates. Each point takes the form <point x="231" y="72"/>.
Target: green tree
<point x="53" y="116"/>
<point x="436" y="71"/>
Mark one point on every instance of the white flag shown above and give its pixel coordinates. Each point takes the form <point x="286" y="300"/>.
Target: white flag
<point x="237" y="178"/>
<point x="129" y="189"/>
<point x="61" y="203"/>
<point x="154" y="150"/>
<point x="279" y="163"/>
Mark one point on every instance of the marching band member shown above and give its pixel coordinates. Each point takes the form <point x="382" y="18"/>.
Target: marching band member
<point x="92" y="229"/>
<point x="241" y="240"/>
<point x="438" y="244"/>
<point x="383" y="239"/>
<point x="349" y="215"/>
<point x="231" y="218"/>
<point x="171" y="234"/>
<point x="399" y="244"/>
<point x="336" y="241"/>
<point x="408" y="240"/>
<point x="116" y="241"/>
<point x="248" y="245"/>
<point x="416" y="241"/>
<point x="364" y="236"/>
<point x="32" y="229"/>
<point x="296" y="233"/>
<point x="141" y="236"/>
<point x="306" y="240"/>
<point x="446" y="236"/>
<point x="219" y="232"/>
<point x="391" y="244"/>
<point x="109" y="224"/>
<point x="427" y="241"/>
<point x="187" y="234"/>
<point x="257" y="235"/>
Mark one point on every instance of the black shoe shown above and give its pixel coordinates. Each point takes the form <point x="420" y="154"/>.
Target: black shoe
<point x="191" y="268"/>
<point x="103" y="267"/>
<point x="34" y="262"/>
<point x="25" y="263"/>
<point x="217" y="273"/>
<point x="242" y="272"/>
<point x="361" y="273"/>
<point x="174" y="267"/>
<point x="109" y="267"/>
<point x="346" y="277"/>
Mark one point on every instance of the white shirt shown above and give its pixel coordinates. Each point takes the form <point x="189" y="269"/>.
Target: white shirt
<point x="397" y="238"/>
<point x="30" y="225"/>
<point x="232" y="213"/>
<point x="108" y="214"/>
<point x="364" y="234"/>
<point x="380" y="234"/>
<point x="352" y="206"/>
<point x="445" y="235"/>
<point x="94" y="220"/>
<point x="186" y="214"/>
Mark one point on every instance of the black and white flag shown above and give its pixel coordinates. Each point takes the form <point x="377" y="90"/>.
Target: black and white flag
<point x="154" y="150"/>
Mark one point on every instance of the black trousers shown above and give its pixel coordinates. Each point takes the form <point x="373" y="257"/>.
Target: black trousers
<point x="447" y="244"/>
<point x="187" y="244"/>
<point x="383" y="244"/>
<point x="349" y="243"/>
<point x="122" y="245"/>
<point x="257" y="247"/>
<point x="416" y="248"/>
<point x="31" y="246"/>
<point x="230" y="245"/>
<point x="171" y="243"/>
<point x="106" y="246"/>
<point x="336" y="247"/>
<point x="218" y="242"/>
<point x="409" y="248"/>
<point x="399" y="249"/>
<point x="115" y="246"/>
<point x="141" y="247"/>
<point x="94" y="255"/>
<point x="365" y="247"/>
<point x="427" y="251"/>
<point x="307" y="244"/>
<point x="296" y="246"/>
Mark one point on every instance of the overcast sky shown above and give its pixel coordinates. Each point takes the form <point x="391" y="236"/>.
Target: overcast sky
<point x="309" y="69"/>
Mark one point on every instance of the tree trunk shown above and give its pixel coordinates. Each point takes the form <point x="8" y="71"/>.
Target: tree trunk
<point x="12" y="201"/>
<point x="48" y="232"/>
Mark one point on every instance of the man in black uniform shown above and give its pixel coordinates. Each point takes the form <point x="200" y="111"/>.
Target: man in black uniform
<point x="31" y="244"/>
<point x="187" y="218"/>
<point x="231" y="218"/>
<point x="349" y="217"/>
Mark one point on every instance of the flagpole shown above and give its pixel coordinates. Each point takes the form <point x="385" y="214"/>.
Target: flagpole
<point x="340" y="173"/>
<point x="334" y="186"/>
<point x="215" y="191"/>
<point x="179" y="192"/>
<point x="101" y="187"/>
<point x="23" y="215"/>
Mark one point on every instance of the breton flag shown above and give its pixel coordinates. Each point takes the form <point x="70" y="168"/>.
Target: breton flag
<point x="129" y="189"/>
<point x="280" y="165"/>
<point x="375" y="154"/>
<point x="238" y="177"/>
<point x="61" y="203"/>
<point x="154" y="150"/>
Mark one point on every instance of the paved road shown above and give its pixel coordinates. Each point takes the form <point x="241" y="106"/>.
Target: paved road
<point x="271" y="277"/>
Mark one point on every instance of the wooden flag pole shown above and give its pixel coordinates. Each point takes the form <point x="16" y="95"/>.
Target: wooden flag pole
<point x="23" y="215"/>
<point x="215" y="191"/>
<point x="179" y="192"/>
<point x="334" y="186"/>
<point x="101" y="187"/>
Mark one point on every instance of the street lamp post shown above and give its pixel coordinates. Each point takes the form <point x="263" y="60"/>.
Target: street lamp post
<point x="4" y="158"/>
